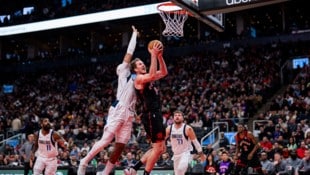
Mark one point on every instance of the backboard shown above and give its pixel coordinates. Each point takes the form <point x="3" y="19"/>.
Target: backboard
<point x="216" y="21"/>
<point x="212" y="11"/>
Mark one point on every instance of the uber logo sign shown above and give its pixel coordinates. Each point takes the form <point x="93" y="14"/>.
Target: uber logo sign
<point x="236" y="2"/>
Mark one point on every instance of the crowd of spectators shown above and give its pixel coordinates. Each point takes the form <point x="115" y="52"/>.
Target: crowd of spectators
<point x="229" y="85"/>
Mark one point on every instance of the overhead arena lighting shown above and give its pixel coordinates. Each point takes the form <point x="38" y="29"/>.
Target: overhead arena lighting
<point x="80" y="19"/>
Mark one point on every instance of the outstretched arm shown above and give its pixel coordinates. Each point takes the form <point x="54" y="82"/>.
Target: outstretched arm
<point x="131" y="46"/>
<point x="60" y="141"/>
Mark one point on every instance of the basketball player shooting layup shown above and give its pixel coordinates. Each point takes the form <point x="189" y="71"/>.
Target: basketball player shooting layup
<point x="148" y="93"/>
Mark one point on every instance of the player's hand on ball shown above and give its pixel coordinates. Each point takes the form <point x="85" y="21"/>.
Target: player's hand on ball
<point x="158" y="46"/>
<point x="155" y="47"/>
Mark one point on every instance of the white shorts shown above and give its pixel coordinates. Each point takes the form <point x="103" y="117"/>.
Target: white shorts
<point x="119" y="121"/>
<point x="49" y="164"/>
<point x="181" y="161"/>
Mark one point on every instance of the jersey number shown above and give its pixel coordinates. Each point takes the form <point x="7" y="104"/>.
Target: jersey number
<point x="180" y="141"/>
<point x="48" y="147"/>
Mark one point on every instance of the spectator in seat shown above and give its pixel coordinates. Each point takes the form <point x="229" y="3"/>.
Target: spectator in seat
<point x="269" y="129"/>
<point x="292" y="145"/>
<point x="266" y="144"/>
<point x="197" y="122"/>
<point x="211" y="166"/>
<point x="165" y="161"/>
<point x="307" y="138"/>
<point x="267" y="165"/>
<point x="304" y="168"/>
<point x="129" y="160"/>
<point x="303" y="125"/>
<point x="277" y="148"/>
<point x="262" y="133"/>
<point x="279" y="164"/>
<point x="293" y="162"/>
<point x="224" y="142"/>
<point x="300" y="151"/>
<point x="225" y="165"/>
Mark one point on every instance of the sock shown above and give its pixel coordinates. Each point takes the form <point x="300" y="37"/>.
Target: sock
<point x="137" y="165"/>
<point x="107" y="169"/>
<point x="146" y="173"/>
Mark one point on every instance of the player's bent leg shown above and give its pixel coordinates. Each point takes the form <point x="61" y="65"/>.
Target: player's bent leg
<point x="146" y="155"/>
<point x="105" y="140"/>
<point x="116" y="153"/>
<point x="157" y="150"/>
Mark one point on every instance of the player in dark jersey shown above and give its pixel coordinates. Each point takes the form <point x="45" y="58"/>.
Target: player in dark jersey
<point x="246" y="151"/>
<point x="152" y="119"/>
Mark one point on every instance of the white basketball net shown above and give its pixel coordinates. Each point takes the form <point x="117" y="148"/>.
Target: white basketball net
<point x="174" y="22"/>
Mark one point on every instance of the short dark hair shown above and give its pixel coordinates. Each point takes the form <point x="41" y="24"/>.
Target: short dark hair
<point x="44" y="118"/>
<point x="178" y="112"/>
<point x="225" y="152"/>
<point x="133" y="63"/>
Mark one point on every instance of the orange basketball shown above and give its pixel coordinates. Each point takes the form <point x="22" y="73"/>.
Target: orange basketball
<point x="151" y="44"/>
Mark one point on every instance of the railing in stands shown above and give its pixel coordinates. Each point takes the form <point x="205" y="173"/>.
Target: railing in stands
<point x="257" y="124"/>
<point x="211" y="138"/>
<point x="12" y="141"/>
<point x="10" y="133"/>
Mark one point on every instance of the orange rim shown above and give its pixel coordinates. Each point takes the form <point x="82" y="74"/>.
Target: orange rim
<point x="170" y="7"/>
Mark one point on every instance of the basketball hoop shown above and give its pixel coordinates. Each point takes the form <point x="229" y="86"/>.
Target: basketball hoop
<point x="174" y="18"/>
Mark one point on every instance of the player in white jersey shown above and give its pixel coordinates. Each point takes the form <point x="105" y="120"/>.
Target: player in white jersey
<point x="46" y="149"/>
<point x="120" y="115"/>
<point x="181" y="138"/>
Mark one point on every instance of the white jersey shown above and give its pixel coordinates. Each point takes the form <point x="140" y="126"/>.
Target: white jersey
<point x="126" y="94"/>
<point x="47" y="148"/>
<point x="179" y="142"/>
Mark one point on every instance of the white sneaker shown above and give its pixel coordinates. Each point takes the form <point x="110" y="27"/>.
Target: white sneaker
<point x="82" y="169"/>
<point x="130" y="171"/>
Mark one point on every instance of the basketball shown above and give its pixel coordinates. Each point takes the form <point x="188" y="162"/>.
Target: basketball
<point x="151" y="44"/>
